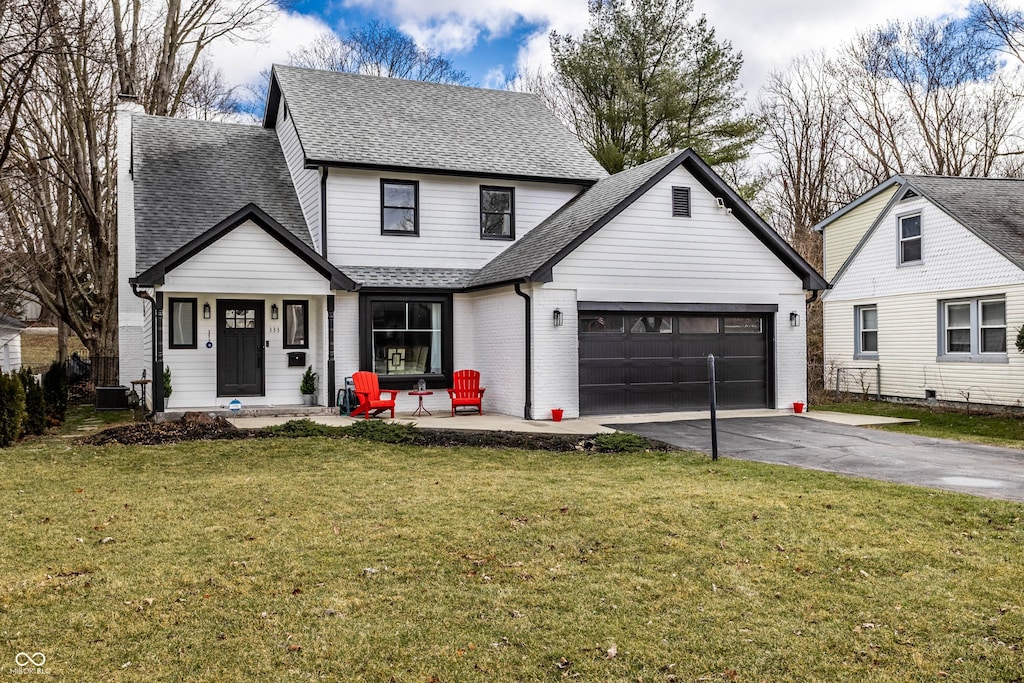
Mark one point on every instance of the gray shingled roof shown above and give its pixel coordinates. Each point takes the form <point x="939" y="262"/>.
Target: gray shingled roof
<point x="990" y="207"/>
<point x="561" y="228"/>
<point x="9" y="323"/>
<point x="358" y="120"/>
<point x="190" y="175"/>
<point x="410" y="278"/>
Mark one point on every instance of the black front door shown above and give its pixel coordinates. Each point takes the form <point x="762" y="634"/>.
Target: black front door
<point x="239" y="348"/>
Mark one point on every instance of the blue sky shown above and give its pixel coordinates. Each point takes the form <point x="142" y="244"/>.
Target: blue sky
<point x="489" y="52"/>
<point x="488" y="38"/>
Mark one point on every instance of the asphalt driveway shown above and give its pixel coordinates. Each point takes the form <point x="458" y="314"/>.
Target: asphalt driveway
<point x="803" y="442"/>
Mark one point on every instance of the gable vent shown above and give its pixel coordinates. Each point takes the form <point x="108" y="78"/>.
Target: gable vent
<point x="681" y="202"/>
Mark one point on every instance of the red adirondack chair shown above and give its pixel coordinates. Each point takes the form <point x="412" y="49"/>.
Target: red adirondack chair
<point x="466" y="390"/>
<point x="368" y="393"/>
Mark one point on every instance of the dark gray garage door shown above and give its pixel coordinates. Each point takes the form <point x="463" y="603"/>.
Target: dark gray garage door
<point x="649" y="362"/>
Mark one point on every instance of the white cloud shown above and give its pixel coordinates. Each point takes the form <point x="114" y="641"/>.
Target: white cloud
<point x="495" y="78"/>
<point x="770" y="33"/>
<point x="242" y="62"/>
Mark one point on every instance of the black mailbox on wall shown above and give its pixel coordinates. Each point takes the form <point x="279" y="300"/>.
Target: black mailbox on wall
<point x="296" y="359"/>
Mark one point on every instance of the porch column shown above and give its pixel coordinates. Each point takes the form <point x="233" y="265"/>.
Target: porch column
<point x="158" y="353"/>
<point x="330" y="350"/>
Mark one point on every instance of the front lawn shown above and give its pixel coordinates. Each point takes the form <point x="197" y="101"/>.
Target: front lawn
<point x="992" y="429"/>
<point x="340" y="559"/>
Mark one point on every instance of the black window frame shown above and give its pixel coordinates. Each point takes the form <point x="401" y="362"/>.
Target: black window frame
<point x="681" y="202"/>
<point x="511" y="211"/>
<point x="284" y="327"/>
<point x="366" y="360"/>
<point x="415" y="207"/>
<point x="172" y="302"/>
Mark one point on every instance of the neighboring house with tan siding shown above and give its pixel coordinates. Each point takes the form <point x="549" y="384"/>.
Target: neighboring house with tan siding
<point x="928" y="293"/>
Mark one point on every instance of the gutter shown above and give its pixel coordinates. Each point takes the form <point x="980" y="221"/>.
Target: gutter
<point x="527" y="407"/>
<point x="156" y="332"/>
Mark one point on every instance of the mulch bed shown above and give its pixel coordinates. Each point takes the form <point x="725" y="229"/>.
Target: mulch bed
<point x="200" y="426"/>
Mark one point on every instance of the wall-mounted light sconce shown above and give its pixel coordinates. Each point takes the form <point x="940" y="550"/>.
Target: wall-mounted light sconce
<point x="794" y="319"/>
<point x="206" y="311"/>
<point x="556" y="318"/>
<point x="273" y="312"/>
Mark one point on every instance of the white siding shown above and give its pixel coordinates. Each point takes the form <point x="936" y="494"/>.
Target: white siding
<point x="306" y="180"/>
<point x="908" y="345"/>
<point x="840" y="238"/>
<point x="194" y="371"/>
<point x="249" y="260"/>
<point x="449" y="217"/>
<point x="954" y="258"/>
<point x="645" y="255"/>
<point x="10" y="350"/>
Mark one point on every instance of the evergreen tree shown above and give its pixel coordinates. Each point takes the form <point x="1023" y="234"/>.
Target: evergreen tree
<point x="644" y="80"/>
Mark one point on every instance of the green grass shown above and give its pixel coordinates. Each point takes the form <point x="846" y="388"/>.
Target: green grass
<point x="338" y="559"/>
<point x="995" y="430"/>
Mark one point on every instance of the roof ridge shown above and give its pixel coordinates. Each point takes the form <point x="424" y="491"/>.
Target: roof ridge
<point x="417" y="82"/>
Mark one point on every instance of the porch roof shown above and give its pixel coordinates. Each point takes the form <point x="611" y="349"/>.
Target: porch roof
<point x="190" y="176"/>
<point x="410" y="278"/>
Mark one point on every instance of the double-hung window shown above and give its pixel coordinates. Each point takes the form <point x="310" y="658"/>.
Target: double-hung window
<point x="497" y="213"/>
<point x="866" y="324"/>
<point x="399" y="207"/>
<point x="910" y="238"/>
<point x="973" y="329"/>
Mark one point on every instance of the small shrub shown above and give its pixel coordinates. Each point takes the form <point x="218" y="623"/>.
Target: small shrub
<point x="55" y="393"/>
<point x="384" y="432"/>
<point x="12" y="408"/>
<point x="620" y="442"/>
<point x="36" y="418"/>
<point x="304" y="427"/>
<point x="307" y="385"/>
<point x="167" y="383"/>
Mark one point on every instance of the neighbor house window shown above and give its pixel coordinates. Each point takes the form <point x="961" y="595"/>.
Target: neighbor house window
<point x="681" y="202"/>
<point x="497" y="213"/>
<point x="973" y="329"/>
<point x="182" y="334"/>
<point x="866" y="323"/>
<point x="910" y="238"/>
<point x="407" y="336"/>
<point x="399" y="207"/>
<point x="296" y="324"/>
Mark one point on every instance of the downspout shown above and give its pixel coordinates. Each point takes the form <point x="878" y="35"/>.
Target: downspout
<point x="814" y="297"/>
<point x="156" y="330"/>
<point x="324" y="171"/>
<point x="527" y="408"/>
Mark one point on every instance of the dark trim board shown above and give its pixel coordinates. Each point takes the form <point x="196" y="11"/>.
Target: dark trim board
<point x="155" y="274"/>
<point x="629" y="307"/>
<point x="405" y="382"/>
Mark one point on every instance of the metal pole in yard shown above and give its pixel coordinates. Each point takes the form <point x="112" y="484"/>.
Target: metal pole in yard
<point x="714" y="406"/>
<point x="878" y="382"/>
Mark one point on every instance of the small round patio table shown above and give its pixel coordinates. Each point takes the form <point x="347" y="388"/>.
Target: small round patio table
<point x="420" y="409"/>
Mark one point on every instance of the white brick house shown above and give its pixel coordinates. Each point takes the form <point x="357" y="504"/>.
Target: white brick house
<point x="413" y="229"/>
